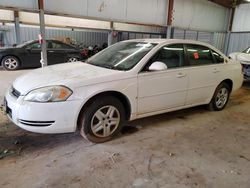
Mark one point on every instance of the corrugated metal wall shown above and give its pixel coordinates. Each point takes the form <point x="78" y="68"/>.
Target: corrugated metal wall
<point x="217" y="39"/>
<point x="133" y="35"/>
<point x="31" y="32"/>
<point x="238" y="42"/>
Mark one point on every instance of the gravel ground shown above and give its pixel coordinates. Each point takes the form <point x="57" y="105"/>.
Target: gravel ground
<point x="188" y="148"/>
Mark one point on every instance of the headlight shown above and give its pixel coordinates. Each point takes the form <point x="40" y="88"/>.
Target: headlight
<point x="49" y="94"/>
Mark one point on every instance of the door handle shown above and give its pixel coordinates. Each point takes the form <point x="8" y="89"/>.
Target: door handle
<point x="216" y="70"/>
<point x="181" y="75"/>
<point x="51" y="51"/>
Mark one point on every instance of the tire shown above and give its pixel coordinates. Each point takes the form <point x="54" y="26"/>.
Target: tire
<point x="10" y="63"/>
<point x="220" y="98"/>
<point x="102" y="119"/>
<point x="72" y="59"/>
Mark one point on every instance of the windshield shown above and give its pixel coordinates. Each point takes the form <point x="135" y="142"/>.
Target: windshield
<point x="121" y="56"/>
<point x="247" y="50"/>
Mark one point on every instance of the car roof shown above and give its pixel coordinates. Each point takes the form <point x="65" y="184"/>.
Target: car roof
<point x="173" y="41"/>
<point x="159" y="41"/>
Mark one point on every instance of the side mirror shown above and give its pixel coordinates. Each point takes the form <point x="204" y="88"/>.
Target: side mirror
<point x="158" y="66"/>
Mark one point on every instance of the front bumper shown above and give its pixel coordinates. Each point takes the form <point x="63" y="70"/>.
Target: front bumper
<point x="55" y="117"/>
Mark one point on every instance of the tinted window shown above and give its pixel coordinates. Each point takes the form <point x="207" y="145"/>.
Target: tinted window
<point x="35" y="45"/>
<point x="218" y="58"/>
<point x="56" y="45"/>
<point x="199" y="55"/>
<point x="171" y="55"/>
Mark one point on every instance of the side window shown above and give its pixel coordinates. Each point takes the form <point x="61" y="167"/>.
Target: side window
<point x="171" y="55"/>
<point x="35" y="45"/>
<point x="217" y="57"/>
<point x="199" y="55"/>
<point x="55" y="45"/>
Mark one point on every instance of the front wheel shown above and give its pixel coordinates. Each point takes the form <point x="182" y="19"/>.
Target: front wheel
<point x="10" y="63"/>
<point x="220" y="98"/>
<point x="102" y="120"/>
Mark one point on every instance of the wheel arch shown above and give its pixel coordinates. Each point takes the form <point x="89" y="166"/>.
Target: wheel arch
<point x="229" y="82"/>
<point x="120" y="96"/>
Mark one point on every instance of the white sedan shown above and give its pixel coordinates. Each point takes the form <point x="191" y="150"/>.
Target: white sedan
<point x="129" y="80"/>
<point x="244" y="58"/>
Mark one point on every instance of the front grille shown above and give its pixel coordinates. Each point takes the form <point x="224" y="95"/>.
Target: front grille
<point x="15" y="92"/>
<point x="36" y="123"/>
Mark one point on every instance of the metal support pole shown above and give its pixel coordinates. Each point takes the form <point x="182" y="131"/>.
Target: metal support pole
<point x="110" y="34"/>
<point x="226" y="44"/>
<point x="170" y="19"/>
<point x="230" y="25"/>
<point x="17" y="27"/>
<point x="197" y="35"/>
<point x="43" y="60"/>
<point x="169" y="32"/>
<point x="184" y="34"/>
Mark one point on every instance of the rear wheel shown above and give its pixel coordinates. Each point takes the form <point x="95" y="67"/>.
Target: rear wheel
<point x="220" y="98"/>
<point x="102" y="119"/>
<point x="73" y="59"/>
<point x="10" y="63"/>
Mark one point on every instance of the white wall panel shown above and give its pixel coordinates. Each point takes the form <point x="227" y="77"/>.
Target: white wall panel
<point x="109" y="9"/>
<point x="200" y="15"/>
<point x="73" y="7"/>
<point x="137" y="28"/>
<point x="242" y="18"/>
<point x="6" y="15"/>
<point x="147" y="11"/>
<point x="52" y="20"/>
<point x="25" y="4"/>
<point x="139" y="11"/>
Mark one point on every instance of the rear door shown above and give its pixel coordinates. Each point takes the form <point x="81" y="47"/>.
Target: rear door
<point x="205" y="72"/>
<point x="161" y="90"/>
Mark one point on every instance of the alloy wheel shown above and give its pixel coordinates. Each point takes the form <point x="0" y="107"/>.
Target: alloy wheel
<point x="105" y="121"/>
<point x="72" y="59"/>
<point x="221" y="98"/>
<point x="11" y="63"/>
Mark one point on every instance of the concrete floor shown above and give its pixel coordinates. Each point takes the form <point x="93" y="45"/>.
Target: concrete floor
<point x="188" y="148"/>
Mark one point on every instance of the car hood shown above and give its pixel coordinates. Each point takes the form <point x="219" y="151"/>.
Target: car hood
<point x="242" y="57"/>
<point x="74" y="75"/>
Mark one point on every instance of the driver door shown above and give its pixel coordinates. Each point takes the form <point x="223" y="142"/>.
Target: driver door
<point x="33" y="55"/>
<point x="165" y="89"/>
